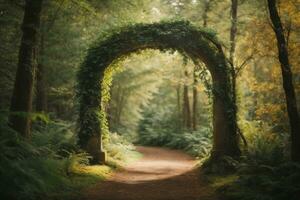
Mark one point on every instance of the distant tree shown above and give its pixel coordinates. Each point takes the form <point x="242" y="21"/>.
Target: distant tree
<point x="287" y="78"/>
<point x="234" y="68"/>
<point x="196" y="78"/>
<point x="48" y="21"/>
<point x="41" y="90"/>
<point x="21" y="102"/>
<point x="187" y="119"/>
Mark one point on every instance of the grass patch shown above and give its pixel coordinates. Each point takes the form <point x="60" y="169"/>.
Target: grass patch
<point x="221" y="181"/>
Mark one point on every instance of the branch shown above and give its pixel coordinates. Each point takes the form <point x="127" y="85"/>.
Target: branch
<point x="288" y="28"/>
<point x="243" y="65"/>
<point x="51" y="23"/>
<point x="243" y="137"/>
<point x="269" y="21"/>
<point x="83" y="7"/>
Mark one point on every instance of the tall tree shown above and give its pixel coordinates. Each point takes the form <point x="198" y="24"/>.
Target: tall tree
<point x="195" y="99"/>
<point x="287" y="78"/>
<point x="205" y="12"/>
<point x="187" y="121"/>
<point x="47" y="24"/>
<point x="178" y="105"/>
<point x="41" y="89"/>
<point x="233" y="32"/>
<point x="195" y="91"/>
<point x="21" y="102"/>
<point x="234" y="69"/>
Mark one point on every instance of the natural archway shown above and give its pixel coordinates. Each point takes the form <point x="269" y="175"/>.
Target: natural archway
<point x="192" y="42"/>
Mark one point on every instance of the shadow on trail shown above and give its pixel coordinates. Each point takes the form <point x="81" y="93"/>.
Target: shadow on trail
<point x="162" y="174"/>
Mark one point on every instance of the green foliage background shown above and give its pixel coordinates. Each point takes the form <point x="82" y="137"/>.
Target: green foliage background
<point x="148" y="82"/>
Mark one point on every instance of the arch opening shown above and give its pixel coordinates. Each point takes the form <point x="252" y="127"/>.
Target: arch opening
<point x="197" y="44"/>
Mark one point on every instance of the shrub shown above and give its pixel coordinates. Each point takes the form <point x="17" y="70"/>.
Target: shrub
<point x="265" y="172"/>
<point x="119" y="150"/>
<point x="49" y="167"/>
<point x="196" y="143"/>
<point x="264" y="182"/>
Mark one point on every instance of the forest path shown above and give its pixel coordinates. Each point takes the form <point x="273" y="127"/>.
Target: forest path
<point x="161" y="174"/>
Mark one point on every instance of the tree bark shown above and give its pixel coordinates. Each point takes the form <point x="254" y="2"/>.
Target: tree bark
<point x="205" y="11"/>
<point x="233" y="32"/>
<point x="195" y="91"/>
<point x="287" y="78"/>
<point x="41" y="85"/>
<point x="195" y="100"/>
<point x="186" y="105"/>
<point x="21" y="102"/>
<point x="233" y="29"/>
<point x="234" y="71"/>
<point x="179" y="114"/>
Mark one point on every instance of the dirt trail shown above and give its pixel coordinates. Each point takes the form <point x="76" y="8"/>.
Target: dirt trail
<point x="161" y="174"/>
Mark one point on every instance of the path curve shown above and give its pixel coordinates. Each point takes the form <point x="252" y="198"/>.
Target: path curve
<point x="161" y="174"/>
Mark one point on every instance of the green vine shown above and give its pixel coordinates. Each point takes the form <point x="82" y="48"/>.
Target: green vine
<point x="95" y="74"/>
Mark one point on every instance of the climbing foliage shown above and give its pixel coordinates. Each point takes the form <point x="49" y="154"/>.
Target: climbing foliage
<point x="192" y="42"/>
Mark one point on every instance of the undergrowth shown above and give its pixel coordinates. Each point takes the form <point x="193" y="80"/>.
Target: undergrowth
<point x="120" y="151"/>
<point x="197" y="143"/>
<point x="264" y="173"/>
<point x="50" y="166"/>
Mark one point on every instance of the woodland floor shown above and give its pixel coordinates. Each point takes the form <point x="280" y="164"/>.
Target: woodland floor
<point x="161" y="174"/>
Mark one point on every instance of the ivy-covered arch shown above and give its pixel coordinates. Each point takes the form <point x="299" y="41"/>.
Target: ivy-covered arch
<point x="192" y="42"/>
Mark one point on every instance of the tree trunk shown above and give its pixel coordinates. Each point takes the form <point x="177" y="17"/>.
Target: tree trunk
<point x="233" y="29"/>
<point x="41" y="86"/>
<point x="195" y="99"/>
<point x="204" y="16"/>
<point x="287" y="78"/>
<point x="179" y="115"/>
<point x="120" y="105"/>
<point x="109" y="110"/>
<point x="21" y="102"/>
<point x="233" y="32"/>
<point x="186" y="105"/>
<point x="195" y="91"/>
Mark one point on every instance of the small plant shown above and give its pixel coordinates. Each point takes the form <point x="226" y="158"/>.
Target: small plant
<point x="119" y="150"/>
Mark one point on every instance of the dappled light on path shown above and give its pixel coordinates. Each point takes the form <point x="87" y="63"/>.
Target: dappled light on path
<point x="161" y="174"/>
<point x="156" y="164"/>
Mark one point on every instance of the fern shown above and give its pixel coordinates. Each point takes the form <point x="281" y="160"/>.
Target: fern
<point x="42" y="169"/>
<point x="197" y="143"/>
